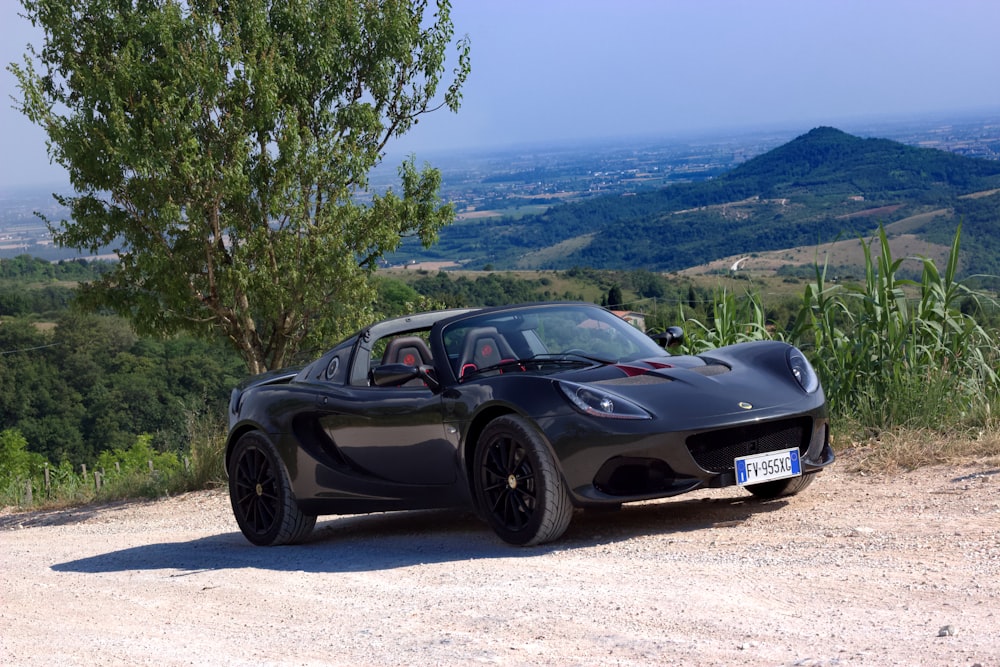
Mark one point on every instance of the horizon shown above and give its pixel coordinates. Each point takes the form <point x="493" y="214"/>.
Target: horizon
<point x="882" y="127"/>
<point x="772" y="66"/>
<point x="872" y="127"/>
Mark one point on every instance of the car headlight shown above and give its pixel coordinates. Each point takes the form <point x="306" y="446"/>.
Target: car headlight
<point x="598" y="403"/>
<point x="803" y="371"/>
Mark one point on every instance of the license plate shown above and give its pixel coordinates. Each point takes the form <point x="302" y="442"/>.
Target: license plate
<point x="768" y="466"/>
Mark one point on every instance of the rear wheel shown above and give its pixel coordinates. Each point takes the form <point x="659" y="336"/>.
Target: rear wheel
<point x="261" y="495"/>
<point x="518" y="485"/>
<point x="781" y="487"/>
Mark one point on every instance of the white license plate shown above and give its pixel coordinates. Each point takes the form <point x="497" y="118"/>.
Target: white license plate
<point x="768" y="466"/>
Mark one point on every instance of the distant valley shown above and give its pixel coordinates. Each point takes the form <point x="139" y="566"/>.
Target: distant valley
<point x="808" y="200"/>
<point x="764" y="202"/>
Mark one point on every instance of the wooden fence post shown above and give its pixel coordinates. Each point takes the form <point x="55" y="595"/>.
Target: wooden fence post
<point x="97" y="481"/>
<point x="48" y="482"/>
<point x="28" y="500"/>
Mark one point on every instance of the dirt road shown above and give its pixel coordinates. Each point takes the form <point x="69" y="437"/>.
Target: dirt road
<point x="901" y="570"/>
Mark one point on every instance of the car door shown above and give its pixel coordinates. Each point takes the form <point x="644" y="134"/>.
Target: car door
<point x="393" y="433"/>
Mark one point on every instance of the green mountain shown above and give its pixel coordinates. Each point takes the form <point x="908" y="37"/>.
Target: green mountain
<point x="822" y="186"/>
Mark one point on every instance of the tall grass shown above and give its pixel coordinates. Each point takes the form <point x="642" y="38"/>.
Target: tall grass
<point x="891" y="352"/>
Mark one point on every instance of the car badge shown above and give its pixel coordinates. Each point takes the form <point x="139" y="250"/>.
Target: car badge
<point x="745" y="405"/>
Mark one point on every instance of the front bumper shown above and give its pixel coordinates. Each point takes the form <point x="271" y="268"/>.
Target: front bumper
<point x="624" y="462"/>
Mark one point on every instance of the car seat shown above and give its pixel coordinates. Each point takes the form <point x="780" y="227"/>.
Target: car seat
<point x="484" y="347"/>
<point x="411" y="351"/>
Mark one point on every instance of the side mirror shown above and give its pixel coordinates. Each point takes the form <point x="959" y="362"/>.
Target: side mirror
<point x="671" y="337"/>
<point x="395" y="375"/>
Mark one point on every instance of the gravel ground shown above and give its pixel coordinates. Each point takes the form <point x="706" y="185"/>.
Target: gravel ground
<point x="858" y="570"/>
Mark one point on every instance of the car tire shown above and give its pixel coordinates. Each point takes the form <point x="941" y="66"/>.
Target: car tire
<point x="781" y="487"/>
<point x="518" y="485"/>
<point x="261" y="495"/>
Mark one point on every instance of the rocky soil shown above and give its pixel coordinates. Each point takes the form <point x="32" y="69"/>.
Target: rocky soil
<point x="858" y="570"/>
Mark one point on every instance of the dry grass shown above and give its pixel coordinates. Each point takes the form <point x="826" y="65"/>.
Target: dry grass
<point x="979" y="195"/>
<point x="422" y="266"/>
<point x="847" y="252"/>
<point x="545" y="256"/>
<point x="909" y="449"/>
<point x="871" y="212"/>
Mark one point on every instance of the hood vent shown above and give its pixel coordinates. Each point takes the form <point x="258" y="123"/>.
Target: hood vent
<point x="636" y="380"/>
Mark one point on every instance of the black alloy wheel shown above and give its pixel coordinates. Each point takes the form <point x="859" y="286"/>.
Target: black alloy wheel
<point x="261" y="495"/>
<point x="518" y="485"/>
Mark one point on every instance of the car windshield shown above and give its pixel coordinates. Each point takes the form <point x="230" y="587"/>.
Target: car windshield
<point x="562" y="333"/>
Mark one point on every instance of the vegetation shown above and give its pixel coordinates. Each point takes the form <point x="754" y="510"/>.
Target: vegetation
<point x="980" y="218"/>
<point x="218" y="148"/>
<point x="27" y="479"/>
<point x="896" y="355"/>
<point x="52" y="285"/>
<point x="894" y="352"/>
<point x="82" y="389"/>
<point x="88" y="383"/>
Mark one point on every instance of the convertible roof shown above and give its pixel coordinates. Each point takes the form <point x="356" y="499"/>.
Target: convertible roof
<point x="415" y="321"/>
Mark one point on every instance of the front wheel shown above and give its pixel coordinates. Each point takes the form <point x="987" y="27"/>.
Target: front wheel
<point x="518" y="485"/>
<point x="781" y="487"/>
<point x="261" y="495"/>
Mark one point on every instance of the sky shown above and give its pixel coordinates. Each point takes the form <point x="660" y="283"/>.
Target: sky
<point x="578" y="70"/>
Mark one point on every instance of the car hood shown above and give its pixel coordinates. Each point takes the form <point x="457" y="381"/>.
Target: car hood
<point x="750" y="381"/>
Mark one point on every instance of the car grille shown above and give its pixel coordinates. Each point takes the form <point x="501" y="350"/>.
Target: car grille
<point x="715" y="450"/>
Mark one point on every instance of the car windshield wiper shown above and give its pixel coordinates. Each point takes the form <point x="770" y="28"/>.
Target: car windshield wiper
<point x="572" y="355"/>
<point x="555" y="359"/>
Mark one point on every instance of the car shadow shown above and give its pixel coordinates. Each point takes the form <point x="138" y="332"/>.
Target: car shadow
<point x="363" y="543"/>
<point x="669" y="516"/>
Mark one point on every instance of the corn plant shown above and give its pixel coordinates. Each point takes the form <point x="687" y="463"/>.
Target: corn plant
<point x="730" y="323"/>
<point x="896" y="352"/>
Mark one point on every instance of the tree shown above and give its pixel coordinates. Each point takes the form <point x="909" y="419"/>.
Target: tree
<point x="223" y="150"/>
<point x="615" y="298"/>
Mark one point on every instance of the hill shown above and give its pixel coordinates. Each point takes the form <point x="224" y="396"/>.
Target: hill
<point x="821" y="187"/>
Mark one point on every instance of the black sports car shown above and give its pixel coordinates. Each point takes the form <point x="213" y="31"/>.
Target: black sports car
<point x="521" y="412"/>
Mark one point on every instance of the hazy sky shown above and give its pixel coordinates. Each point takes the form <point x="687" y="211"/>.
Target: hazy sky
<point x="577" y="69"/>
